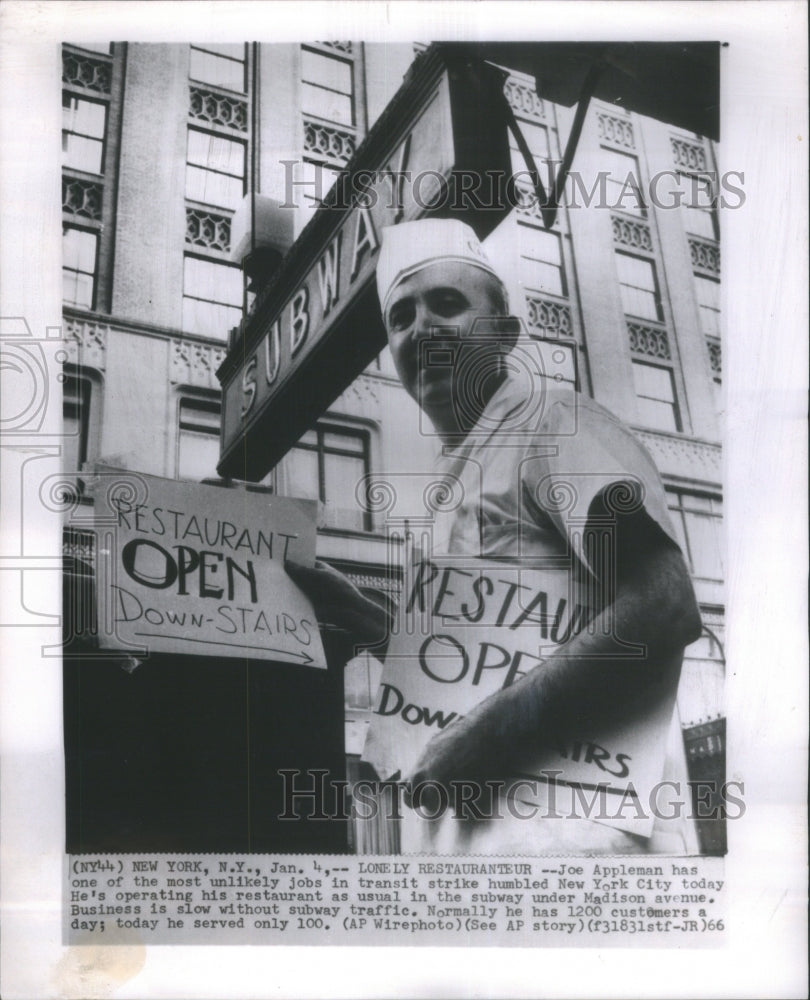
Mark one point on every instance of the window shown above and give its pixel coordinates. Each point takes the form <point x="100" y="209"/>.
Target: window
<point x="536" y="137"/>
<point x="222" y="65"/>
<point x="198" y="441"/>
<point x="638" y="286"/>
<point x="327" y="87"/>
<point x="79" y="252"/>
<point x="212" y="297"/>
<point x="701" y="688"/>
<point x="698" y="524"/>
<point x="315" y="181"/>
<point x="541" y="268"/>
<point x="698" y="205"/>
<point x="76" y="396"/>
<point x="622" y="184"/>
<point x="215" y="169"/>
<point x="327" y="104"/>
<point x="708" y="296"/>
<point x="91" y="98"/>
<point x="655" y="392"/>
<point x="326" y="465"/>
<point x="83" y="127"/>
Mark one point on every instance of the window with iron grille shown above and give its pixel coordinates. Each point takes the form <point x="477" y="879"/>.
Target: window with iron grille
<point x="638" y="284"/>
<point x="79" y="266"/>
<point x="84" y="126"/>
<point x="541" y="257"/>
<point x="327" y="464"/>
<point x="655" y="396"/>
<point x="216" y="177"/>
<point x="82" y="70"/>
<point x="92" y="91"/>
<point x="212" y="297"/>
<point x="215" y="169"/>
<point x="328" y="105"/>
<point x="220" y="65"/>
<point x="198" y="439"/>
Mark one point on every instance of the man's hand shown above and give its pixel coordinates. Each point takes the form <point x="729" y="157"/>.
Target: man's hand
<point x="471" y="747"/>
<point x="340" y="605"/>
<point x="589" y="681"/>
<point x="454" y="754"/>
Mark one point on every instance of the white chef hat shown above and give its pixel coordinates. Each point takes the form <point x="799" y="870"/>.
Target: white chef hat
<point x="410" y="246"/>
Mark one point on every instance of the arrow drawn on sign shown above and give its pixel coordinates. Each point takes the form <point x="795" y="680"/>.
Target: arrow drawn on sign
<point x="303" y="657"/>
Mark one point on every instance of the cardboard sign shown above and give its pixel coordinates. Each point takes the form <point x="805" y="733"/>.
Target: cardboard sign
<point x="468" y="629"/>
<point x="199" y="570"/>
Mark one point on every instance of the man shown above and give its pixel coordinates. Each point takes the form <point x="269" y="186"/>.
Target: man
<point x="505" y="437"/>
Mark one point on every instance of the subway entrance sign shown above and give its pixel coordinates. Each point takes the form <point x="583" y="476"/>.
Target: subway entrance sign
<point x="439" y="148"/>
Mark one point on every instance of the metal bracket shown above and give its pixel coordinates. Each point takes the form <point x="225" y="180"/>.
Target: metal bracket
<point x="549" y="204"/>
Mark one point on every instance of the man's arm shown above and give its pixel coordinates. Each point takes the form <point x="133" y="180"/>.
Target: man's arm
<point x="589" y="679"/>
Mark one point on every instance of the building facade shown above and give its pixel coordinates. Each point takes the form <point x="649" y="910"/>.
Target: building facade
<point x="161" y="143"/>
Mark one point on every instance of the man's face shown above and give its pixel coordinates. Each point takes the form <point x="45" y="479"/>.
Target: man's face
<point x="448" y="295"/>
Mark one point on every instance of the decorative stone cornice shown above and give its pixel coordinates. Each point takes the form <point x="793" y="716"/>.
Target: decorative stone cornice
<point x="616" y="130"/>
<point x="689" y="156"/>
<point x="705" y="255"/>
<point x="549" y="317"/>
<point x="684" y="457"/>
<point x="630" y="233"/>
<point x="524" y="99"/>
<point x="86" y="343"/>
<point x="195" y="364"/>
<point x="650" y="340"/>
